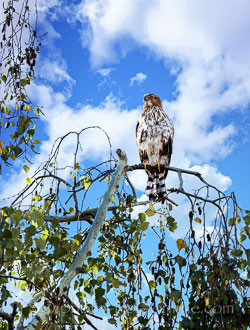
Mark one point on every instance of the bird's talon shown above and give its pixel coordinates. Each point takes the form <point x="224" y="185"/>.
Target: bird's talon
<point x="146" y="170"/>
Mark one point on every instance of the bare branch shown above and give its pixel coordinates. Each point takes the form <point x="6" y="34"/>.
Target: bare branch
<point x="9" y="317"/>
<point x="86" y="248"/>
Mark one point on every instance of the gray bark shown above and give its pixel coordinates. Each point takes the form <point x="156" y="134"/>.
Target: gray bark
<point x="86" y="248"/>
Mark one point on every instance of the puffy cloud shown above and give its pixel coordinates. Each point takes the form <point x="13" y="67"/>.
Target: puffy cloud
<point x="45" y="5"/>
<point x="105" y="71"/>
<point x="105" y="74"/>
<point x="110" y="115"/>
<point x="205" y="44"/>
<point x="54" y="71"/>
<point x="138" y="78"/>
<point x="190" y="184"/>
<point x="211" y="79"/>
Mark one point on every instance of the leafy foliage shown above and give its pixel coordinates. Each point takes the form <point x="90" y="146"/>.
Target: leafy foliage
<point x="19" y="47"/>
<point x="202" y="283"/>
<point x="199" y="284"/>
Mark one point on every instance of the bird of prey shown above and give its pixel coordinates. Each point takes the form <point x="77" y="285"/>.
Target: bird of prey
<point x="154" y="137"/>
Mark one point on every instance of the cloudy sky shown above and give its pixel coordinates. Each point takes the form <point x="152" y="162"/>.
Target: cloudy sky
<point x="101" y="56"/>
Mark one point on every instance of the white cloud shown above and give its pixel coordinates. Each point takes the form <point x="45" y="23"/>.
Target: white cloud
<point x="211" y="79"/>
<point x="60" y="119"/>
<point x="45" y="5"/>
<point x="207" y="45"/>
<point x="190" y="184"/>
<point x="105" y="71"/>
<point x="54" y="71"/>
<point x="138" y="78"/>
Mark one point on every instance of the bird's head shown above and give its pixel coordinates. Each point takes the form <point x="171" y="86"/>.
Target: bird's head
<point x="150" y="100"/>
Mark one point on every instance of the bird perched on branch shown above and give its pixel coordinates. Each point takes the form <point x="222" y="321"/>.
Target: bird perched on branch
<point x="154" y="137"/>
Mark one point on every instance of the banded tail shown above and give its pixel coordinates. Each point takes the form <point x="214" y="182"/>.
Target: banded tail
<point x="156" y="189"/>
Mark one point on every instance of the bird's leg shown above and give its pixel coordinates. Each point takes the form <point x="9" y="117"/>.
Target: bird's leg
<point x="159" y="163"/>
<point x="146" y="170"/>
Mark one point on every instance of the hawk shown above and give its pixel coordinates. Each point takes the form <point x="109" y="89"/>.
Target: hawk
<point x="154" y="137"/>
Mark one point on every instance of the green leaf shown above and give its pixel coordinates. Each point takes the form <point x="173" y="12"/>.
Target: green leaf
<point x="25" y="81"/>
<point x="4" y="78"/>
<point x="232" y="221"/>
<point x="171" y="223"/>
<point x="60" y="253"/>
<point x="35" y="216"/>
<point x="112" y="321"/>
<point x="180" y="261"/>
<point x="142" y="217"/>
<point x="181" y="244"/>
<point x="95" y="270"/>
<point x="5" y="95"/>
<point x="37" y="111"/>
<point x="131" y="301"/>
<point x="101" y="301"/>
<point x="152" y="285"/>
<point x="143" y="307"/>
<point x="18" y="151"/>
<point x="92" y="261"/>
<point x="99" y="292"/>
<point x="115" y="283"/>
<point x="40" y="243"/>
<point x="7" y="234"/>
<point x="58" y="273"/>
<point x="87" y="182"/>
<point x="16" y="216"/>
<point x="237" y="253"/>
<point x="247" y="219"/>
<point x="175" y="295"/>
<point x="198" y="220"/>
<point x="242" y="238"/>
<point x="142" y="227"/>
<point x="26" y="168"/>
<point x="150" y="213"/>
<point x="27" y="108"/>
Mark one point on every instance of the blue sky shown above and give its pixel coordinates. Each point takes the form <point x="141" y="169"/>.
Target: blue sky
<point x="101" y="56"/>
<point x="193" y="55"/>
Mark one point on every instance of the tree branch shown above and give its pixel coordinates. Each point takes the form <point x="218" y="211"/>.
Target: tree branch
<point x="170" y="168"/>
<point x="88" y="215"/>
<point x="80" y="311"/>
<point x="9" y="317"/>
<point x="86" y="248"/>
